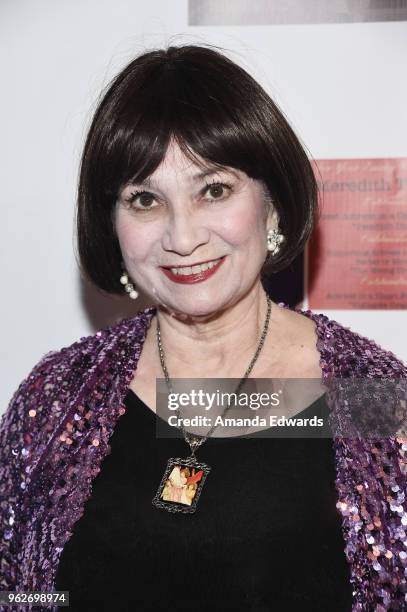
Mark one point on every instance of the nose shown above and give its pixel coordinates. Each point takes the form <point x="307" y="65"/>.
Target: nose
<point x="185" y="232"/>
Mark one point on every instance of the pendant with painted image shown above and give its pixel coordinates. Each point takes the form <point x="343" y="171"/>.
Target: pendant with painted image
<point x="181" y="485"/>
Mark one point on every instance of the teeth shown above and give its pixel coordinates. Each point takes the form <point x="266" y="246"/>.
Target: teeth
<point x="195" y="269"/>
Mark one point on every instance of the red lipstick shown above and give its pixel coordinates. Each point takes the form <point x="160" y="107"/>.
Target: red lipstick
<point x="192" y="278"/>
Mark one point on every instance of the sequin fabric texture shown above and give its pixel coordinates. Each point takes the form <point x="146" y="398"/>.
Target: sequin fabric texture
<point x="56" y="430"/>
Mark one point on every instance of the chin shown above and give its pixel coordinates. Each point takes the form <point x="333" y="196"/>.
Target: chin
<point x="191" y="310"/>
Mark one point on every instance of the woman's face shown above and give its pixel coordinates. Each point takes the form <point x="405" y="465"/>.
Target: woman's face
<point x="182" y="219"/>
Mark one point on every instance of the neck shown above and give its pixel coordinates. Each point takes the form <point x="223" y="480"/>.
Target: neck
<point x="215" y="344"/>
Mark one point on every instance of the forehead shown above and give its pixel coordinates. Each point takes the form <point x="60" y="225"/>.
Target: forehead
<point x="175" y="157"/>
<point x="176" y="164"/>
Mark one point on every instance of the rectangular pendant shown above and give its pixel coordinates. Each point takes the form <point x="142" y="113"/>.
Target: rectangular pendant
<point x="181" y="485"/>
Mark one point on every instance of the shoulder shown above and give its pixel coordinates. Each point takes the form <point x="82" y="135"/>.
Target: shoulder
<point x="345" y="351"/>
<point x="360" y="354"/>
<point x="41" y="398"/>
<point x="82" y="353"/>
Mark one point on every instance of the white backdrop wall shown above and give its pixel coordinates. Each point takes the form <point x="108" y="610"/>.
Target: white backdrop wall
<point x="341" y="85"/>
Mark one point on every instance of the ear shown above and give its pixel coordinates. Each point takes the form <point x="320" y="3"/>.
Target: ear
<point x="271" y="215"/>
<point x="272" y="219"/>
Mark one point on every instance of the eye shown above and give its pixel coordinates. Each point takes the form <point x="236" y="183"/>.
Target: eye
<point x="146" y="198"/>
<point x="217" y="189"/>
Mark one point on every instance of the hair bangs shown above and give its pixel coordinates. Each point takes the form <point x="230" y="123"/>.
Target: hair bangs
<point x="179" y="106"/>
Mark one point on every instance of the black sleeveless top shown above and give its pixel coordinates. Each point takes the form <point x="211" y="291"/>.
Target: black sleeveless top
<point x="266" y="534"/>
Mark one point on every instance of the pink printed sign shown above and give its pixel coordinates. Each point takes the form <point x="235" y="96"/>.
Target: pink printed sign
<point x="357" y="255"/>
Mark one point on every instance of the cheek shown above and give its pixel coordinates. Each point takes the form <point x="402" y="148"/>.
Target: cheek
<point x="244" y="225"/>
<point x="134" y="242"/>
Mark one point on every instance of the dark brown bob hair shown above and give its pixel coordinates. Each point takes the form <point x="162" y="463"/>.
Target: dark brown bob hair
<point x="212" y="108"/>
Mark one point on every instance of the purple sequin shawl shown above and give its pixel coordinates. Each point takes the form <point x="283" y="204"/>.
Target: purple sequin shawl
<point x="55" y="434"/>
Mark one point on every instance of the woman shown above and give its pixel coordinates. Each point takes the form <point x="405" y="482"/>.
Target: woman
<point x="189" y="161"/>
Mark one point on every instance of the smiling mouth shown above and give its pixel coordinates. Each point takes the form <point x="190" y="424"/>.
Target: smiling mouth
<point x="193" y="274"/>
<point x="194" y="268"/>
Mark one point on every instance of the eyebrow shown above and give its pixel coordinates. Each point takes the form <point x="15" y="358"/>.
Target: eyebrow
<point x="212" y="170"/>
<point x="148" y="182"/>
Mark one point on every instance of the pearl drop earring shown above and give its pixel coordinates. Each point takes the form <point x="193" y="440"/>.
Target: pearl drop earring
<point x="129" y="287"/>
<point x="274" y="239"/>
